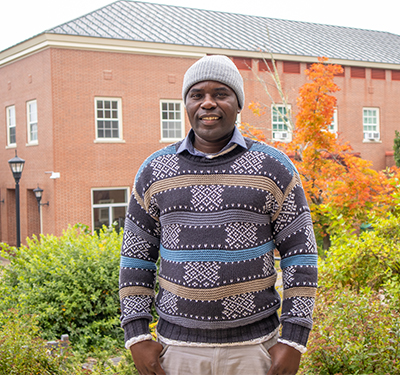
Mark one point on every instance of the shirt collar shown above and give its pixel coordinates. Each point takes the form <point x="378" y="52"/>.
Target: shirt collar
<point x="187" y="145"/>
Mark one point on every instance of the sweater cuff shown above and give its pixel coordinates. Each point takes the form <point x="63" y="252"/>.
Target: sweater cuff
<point x="295" y="333"/>
<point x="302" y="349"/>
<point x="136" y="328"/>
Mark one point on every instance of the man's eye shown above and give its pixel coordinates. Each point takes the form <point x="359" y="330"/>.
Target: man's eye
<point x="221" y="94"/>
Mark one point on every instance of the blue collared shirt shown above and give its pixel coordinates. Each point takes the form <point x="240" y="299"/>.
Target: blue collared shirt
<point x="236" y="140"/>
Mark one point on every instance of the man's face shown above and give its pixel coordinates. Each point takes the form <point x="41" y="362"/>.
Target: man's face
<point x="212" y="108"/>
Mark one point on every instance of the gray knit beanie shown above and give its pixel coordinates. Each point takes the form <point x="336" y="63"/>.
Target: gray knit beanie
<point x="214" y="68"/>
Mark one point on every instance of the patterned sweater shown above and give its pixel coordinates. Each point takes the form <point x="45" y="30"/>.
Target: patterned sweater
<point x="215" y="223"/>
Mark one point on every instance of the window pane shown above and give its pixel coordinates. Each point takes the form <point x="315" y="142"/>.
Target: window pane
<point x="101" y="217"/>
<point x="32" y="112"/>
<point x="118" y="216"/>
<point x="12" y="136"/>
<point x="171" y="120"/>
<point x="107" y="109"/>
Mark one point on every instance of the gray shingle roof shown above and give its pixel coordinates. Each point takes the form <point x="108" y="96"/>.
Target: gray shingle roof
<point x="147" y="22"/>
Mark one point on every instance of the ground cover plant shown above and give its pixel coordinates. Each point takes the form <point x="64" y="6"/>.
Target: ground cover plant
<point x="22" y="352"/>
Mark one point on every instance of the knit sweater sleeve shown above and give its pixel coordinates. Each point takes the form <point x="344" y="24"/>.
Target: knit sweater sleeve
<point x="295" y="241"/>
<point x="139" y="254"/>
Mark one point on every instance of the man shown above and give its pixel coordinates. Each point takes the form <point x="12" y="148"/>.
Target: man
<point x="214" y="207"/>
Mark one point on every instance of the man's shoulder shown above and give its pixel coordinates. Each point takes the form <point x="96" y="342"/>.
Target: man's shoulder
<point x="157" y="157"/>
<point x="274" y="155"/>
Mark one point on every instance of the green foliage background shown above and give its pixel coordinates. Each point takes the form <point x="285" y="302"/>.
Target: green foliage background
<point x="396" y="148"/>
<point x="71" y="283"/>
<point x="357" y="315"/>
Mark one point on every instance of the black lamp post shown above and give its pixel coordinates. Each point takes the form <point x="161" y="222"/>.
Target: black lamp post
<point x="17" y="165"/>
<point x="38" y="194"/>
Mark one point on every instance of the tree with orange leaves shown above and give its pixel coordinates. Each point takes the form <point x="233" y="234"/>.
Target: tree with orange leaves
<point x="342" y="189"/>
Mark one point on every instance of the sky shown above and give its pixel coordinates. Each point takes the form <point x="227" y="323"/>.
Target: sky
<point x="23" y="19"/>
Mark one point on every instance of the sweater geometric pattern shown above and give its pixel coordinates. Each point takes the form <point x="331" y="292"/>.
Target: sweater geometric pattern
<point x="215" y="224"/>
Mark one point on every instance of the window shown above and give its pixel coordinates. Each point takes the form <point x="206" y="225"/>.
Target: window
<point x="357" y="72"/>
<point x="395" y="75"/>
<point x="291" y="67"/>
<point x="333" y="127"/>
<point x="243" y="63"/>
<point x="378" y="73"/>
<point x="172" y="120"/>
<point x="371" y="124"/>
<point x="109" y="207"/>
<point x="266" y="65"/>
<point x="108" y="119"/>
<point x="31" y="109"/>
<point x="11" y="136"/>
<point x="280" y="131"/>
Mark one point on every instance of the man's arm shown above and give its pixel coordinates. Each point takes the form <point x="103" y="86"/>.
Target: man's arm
<point x="295" y="241"/>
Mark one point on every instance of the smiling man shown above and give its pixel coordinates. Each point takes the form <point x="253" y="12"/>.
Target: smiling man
<point x="214" y="207"/>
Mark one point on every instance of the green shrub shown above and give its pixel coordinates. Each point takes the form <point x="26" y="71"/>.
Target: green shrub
<point x="353" y="334"/>
<point x="396" y="148"/>
<point x="23" y="353"/>
<point x="71" y="283"/>
<point x="371" y="259"/>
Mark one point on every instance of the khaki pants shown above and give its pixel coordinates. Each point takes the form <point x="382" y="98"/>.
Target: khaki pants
<point x="228" y="360"/>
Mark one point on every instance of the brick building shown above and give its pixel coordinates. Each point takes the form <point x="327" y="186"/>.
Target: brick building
<point x="86" y="102"/>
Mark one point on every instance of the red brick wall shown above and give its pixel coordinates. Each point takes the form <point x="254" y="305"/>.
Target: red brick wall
<point x="65" y="82"/>
<point x="78" y="77"/>
<point x="22" y="81"/>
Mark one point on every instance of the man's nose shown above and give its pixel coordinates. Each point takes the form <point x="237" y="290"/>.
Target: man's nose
<point x="208" y="102"/>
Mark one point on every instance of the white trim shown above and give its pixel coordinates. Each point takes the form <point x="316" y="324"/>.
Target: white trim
<point x="280" y="135"/>
<point x="334" y="122"/>
<point x="302" y="349"/>
<point x="118" y="139"/>
<point x="9" y="144"/>
<point x="47" y="40"/>
<point x="29" y="123"/>
<point x="135" y="340"/>
<point x="182" y="120"/>
<point x="375" y="132"/>
<point x="108" y="205"/>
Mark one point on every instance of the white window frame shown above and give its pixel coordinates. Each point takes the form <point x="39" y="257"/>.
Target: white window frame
<point x="163" y="121"/>
<point x="107" y="205"/>
<point x="11" y="124"/>
<point x="32" y="122"/>
<point x="333" y="126"/>
<point x="239" y="118"/>
<point x="118" y="118"/>
<point x="371" y="130"/>
<point x="284" y="134"/>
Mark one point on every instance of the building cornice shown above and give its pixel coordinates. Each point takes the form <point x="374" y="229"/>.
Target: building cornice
<point x="50" y="40"/>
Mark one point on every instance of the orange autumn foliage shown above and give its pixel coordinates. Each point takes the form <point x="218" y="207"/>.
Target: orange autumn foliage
<point x="336" y="180"/>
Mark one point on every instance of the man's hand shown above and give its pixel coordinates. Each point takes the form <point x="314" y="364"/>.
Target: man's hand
<point x="146" y="355"/>
<point x="285" y="360"/>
